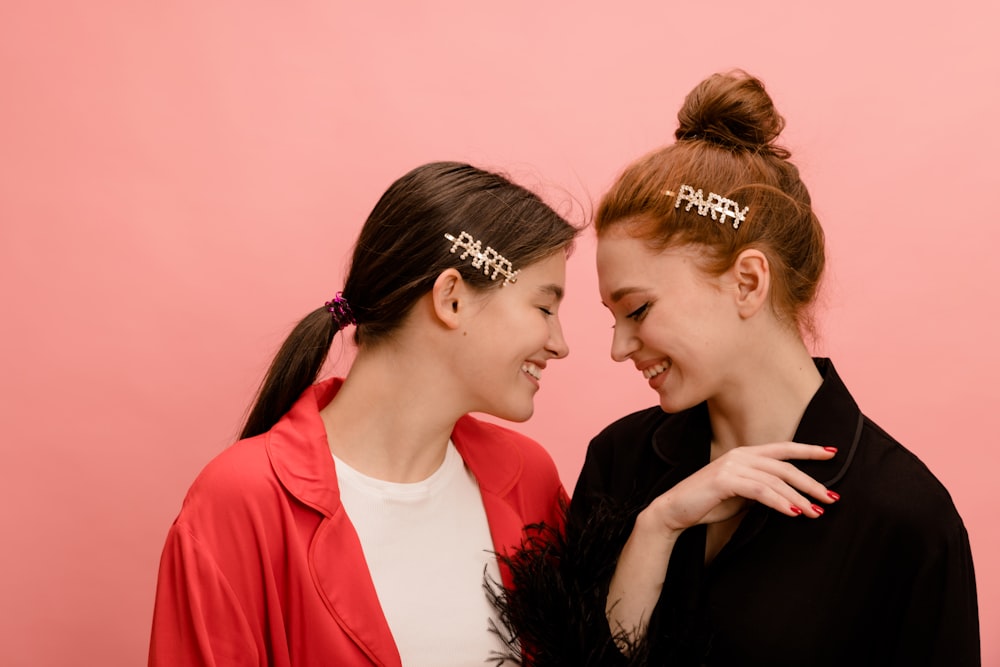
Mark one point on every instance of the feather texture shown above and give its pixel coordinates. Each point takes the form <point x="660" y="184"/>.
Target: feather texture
<point x="554" y="613"/>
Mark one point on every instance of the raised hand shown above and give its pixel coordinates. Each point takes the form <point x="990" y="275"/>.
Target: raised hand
<point x="715" y="493"/>
<point x="760" y="473"/>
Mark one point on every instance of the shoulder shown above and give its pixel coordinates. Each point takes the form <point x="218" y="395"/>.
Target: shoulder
<point x="237" y="483"/>
<point x="890" y="465"/>
<point x="235" y="521"/>
<point x="903" y="491"/>
<point x="629" y="435"/>
<point x="621" y="460"/>
<point x="241" y="467"/>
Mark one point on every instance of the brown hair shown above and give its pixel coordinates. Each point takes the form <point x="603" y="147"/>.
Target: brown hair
<point x="726" y="144"/>
<point x="400" y="252"/>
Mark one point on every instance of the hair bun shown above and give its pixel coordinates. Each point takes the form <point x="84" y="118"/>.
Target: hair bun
<point x="732" y="110"/>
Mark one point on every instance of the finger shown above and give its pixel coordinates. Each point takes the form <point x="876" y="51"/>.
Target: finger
<point x="768" y="492"/>
<point x="780" y="493"/>
<point x="763" y="457"/>
<point x="754" y="472"/>
<point x="794" y="478"/>
<point x="792" y="450"/>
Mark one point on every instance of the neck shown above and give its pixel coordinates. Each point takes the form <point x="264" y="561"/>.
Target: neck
<point x="389" y="420"/>
<point x="765" y="397"/>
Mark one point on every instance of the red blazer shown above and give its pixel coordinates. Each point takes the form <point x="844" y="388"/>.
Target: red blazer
<point x="262" y="567"/>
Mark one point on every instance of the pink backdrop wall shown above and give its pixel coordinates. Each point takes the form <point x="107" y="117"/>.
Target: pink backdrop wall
<point x="180" y="182"/>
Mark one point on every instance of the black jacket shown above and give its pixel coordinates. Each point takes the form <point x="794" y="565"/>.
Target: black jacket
<point x="884" y="577"/>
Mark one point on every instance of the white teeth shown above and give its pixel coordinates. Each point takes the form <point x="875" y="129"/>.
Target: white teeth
<point x="532" y="370"/>
<point x="653" y="371"/>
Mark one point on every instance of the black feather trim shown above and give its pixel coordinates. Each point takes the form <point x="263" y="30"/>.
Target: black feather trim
<point x="554" y="614"/>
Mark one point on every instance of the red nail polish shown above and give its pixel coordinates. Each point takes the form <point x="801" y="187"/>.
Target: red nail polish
<point x="817" y="509"/>
<point x="796" y="510"/>
<point x="833" y="495"/>
<point x="831" y="449"/>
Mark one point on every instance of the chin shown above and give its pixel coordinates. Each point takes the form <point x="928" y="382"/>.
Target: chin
<point x="520" y="414"/>
<point x="674" y="404"/>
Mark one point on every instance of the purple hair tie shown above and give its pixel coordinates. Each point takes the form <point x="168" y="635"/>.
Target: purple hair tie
<point x="341" y="311"/>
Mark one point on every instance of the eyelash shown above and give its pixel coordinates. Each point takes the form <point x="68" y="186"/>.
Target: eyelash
<point x="545" y="310"/>
<point x="640" y="312"/>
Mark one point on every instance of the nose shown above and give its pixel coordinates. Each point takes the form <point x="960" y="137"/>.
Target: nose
<point x="623" y="344"/>
<point x="557" y="345"/>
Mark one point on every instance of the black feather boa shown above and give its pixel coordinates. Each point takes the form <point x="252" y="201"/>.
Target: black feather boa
<point x="554" y="614"/>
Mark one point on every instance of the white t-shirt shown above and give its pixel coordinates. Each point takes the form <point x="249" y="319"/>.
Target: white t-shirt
<point x="428" y="547"/>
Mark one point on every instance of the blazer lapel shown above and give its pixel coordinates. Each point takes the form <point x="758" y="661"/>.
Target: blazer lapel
<point x="342" y="577"/>
<point x="300" y="455"/>
<point x="497" y="466"/>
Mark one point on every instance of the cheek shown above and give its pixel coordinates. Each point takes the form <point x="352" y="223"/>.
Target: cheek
<point x="532" y="335"/>
<point x="669" y="334"/>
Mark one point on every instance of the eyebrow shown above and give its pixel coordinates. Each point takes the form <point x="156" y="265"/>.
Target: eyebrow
<point x="622" y="292"/>
<point x="553" y="289"/>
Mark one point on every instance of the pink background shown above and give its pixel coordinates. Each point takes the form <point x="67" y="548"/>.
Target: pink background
<point x="181" y="181"/>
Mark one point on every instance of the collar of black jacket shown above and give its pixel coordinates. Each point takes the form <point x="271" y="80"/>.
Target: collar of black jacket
<point x="832" y="418"/>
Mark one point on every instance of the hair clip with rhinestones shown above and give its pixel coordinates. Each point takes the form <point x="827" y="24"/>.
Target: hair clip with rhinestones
<point x="488" y="259"/>
<point x="716" y="205"/>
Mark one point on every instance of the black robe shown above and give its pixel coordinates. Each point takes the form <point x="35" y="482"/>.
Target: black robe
<point x="884" y="577"/>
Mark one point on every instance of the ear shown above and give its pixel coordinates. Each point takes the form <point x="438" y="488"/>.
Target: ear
<point x="449" y="297"/>
<point x="752" y="275"/>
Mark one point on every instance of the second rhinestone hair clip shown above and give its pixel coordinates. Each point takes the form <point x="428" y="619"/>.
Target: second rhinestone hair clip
<point x="717" y="206"/>
<point x="488" y="259"/>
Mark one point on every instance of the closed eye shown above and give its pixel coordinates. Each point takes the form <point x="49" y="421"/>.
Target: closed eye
<point x="545" y="310"/>
<point x="639" y="312"/>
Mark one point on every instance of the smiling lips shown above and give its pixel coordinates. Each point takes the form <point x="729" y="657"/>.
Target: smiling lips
<point x="654" y="370"/>
<point x="648" y="373"/>
<point x="532" y="370"/>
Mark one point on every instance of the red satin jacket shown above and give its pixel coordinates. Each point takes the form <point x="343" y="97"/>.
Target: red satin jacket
<point x="263" y="568"/>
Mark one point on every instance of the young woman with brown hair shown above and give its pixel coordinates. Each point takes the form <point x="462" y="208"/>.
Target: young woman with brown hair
<point x="353" y="522"/>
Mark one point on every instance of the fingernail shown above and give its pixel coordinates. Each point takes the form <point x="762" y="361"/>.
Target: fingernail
<point x="831" y="449"/>
<point x="833" y="495"/>
<point x="817" y="509"/>
<point x="796" y="510"/>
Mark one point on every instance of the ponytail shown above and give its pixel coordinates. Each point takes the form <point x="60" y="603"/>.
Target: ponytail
<point x="293" y="370"/>
<point x="400" y="252"/>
